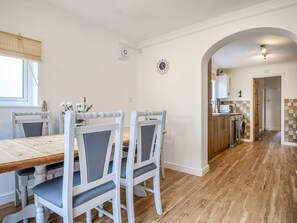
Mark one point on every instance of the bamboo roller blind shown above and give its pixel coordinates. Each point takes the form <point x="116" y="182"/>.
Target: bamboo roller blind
<point x="19" y="46"/>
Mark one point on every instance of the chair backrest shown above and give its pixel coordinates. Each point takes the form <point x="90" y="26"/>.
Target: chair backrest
<point x="94" y="144"/>
<point x="163" y="124"/>
<point x="146" y="136"/>
<point x="61" y="122"/>
<point x="155" y="118"/>
<point x="32" y="123"/>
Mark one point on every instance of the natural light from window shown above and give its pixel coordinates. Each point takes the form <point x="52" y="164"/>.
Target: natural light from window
<point x="11" y="76"/>
<point x="18" y="82"/>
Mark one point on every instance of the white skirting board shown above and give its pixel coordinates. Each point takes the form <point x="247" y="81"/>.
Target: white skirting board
<point x="273" y="128"/>
<point x="290" y="144"/>
<point x="189" y="170"/>
<point x="6" y="198"/>
<point x="9" y="197"/>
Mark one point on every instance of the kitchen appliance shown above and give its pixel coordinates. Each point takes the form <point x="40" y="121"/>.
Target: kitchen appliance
<point x="237" y="129"/>
<point x="241" y="127"/>
<point x="222" y="86"/>
<point x="225" y="108"/>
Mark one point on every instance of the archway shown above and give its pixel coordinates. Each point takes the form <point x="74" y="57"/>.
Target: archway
<point x="204" y="74"/>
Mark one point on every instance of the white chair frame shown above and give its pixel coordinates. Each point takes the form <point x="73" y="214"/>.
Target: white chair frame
<point x="61" y="116"/>
<point x="19" y="118"/>
<point x="45" y="117"/>
<point x="135" y="139"/>
<point x="61" y="122"/>
<point x="68" y="212"/>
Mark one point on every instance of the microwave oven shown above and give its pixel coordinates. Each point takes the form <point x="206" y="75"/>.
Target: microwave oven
<point x="225" y="108"/>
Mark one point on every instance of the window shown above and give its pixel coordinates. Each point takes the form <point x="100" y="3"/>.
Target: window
<point x="213" y="89"/>
<point x="213" y="94"/>
<point x="18" y="82"/>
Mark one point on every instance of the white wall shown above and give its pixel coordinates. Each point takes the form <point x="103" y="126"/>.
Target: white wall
<point x="273" y="103"/>
<point x="79" y="60"/>
<point x="183" y="90"/>
<point x="240" y="79"/>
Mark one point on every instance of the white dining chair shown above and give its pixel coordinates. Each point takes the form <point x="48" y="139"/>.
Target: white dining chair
<point x="76" y="193"/>
<point x="31" y="124"/>
<point x="143" y="160"/>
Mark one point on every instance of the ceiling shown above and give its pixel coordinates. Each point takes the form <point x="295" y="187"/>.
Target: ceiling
<point x="140" y="20"/>
<point x="245" y="52"/>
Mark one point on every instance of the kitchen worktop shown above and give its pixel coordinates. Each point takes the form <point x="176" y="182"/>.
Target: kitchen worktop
<point x="225" y="114"/>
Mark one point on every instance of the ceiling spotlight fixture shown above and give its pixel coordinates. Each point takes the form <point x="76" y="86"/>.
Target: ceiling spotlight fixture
<point x="264" y="51"/>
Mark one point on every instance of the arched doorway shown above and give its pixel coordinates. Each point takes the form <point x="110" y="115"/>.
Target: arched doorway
<point x="204" y="71"/>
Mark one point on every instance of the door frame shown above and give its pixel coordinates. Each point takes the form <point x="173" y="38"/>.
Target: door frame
<point x="253" y="102"/>
<point x="281" y="75"/>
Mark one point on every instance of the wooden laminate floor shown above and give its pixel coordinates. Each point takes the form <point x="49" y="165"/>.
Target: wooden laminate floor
<point x="254" y="182"/>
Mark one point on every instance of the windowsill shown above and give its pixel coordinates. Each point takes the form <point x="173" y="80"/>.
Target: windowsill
<point x="19" y="106"/>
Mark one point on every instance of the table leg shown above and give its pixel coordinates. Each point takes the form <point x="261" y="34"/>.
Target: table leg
<point x="29" y="211"/>
<point x="40" y="174"/>
<point x="139" y="191"/>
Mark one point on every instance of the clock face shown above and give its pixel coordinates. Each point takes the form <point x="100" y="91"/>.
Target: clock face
<point x="163" y="66"/>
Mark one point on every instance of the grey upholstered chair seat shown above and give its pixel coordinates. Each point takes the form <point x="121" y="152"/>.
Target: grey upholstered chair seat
<point x="137" y="172"/>
<point x="51" y="191"/>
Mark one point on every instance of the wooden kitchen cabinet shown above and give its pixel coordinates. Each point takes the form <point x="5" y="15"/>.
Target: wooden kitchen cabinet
<point x="219" y="135"/>
<point x="218" y="126"/>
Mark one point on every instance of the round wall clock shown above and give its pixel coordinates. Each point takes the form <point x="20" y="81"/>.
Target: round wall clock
<point x="163" y="66"/>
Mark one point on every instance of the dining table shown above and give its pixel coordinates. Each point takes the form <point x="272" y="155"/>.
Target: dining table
<point x="37" y="152"/>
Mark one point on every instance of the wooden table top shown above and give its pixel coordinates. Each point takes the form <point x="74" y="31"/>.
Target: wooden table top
<point x="16" y="154"/>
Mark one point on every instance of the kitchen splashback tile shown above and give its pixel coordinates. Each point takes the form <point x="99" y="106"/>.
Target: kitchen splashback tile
<point x="242" y="107"/>
<point x="290" y="120"/>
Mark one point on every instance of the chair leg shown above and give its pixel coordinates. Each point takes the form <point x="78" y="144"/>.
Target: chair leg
<point x="16" y="194"/>
<point x="157" y="194"/>
<point x="116" y="207"/>
<point x="39" y="212"/>
<point x="66" y="219"/>
<point x="88" y="216"/>
<point x="130" y="203"/>
<point x="68" y="216"/>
